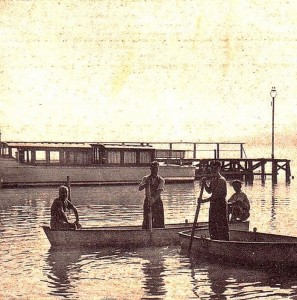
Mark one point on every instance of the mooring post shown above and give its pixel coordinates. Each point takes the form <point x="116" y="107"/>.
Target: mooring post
<point x="274" y="171"/>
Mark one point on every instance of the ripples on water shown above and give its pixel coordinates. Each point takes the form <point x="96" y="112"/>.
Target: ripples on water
<point x="31" y="270"/>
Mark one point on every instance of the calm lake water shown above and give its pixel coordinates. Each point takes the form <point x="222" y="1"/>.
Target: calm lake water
<point x="31" y="270"/>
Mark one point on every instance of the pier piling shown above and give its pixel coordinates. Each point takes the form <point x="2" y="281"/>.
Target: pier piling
<point x="288" y="172"/>
<point x="274" y="171"/>
<point x="263" y="176"/>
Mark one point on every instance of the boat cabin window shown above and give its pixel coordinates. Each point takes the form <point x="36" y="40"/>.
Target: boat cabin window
<point x="129" y="157"/>
<point x="71" y="158"/>
<point x="144" y="157"/>
<point x="54" y="157"/>
<point x="78" y="158"/>
<point x="114" y="157"/>
<point x="4" y="151"/>
<point x="82" y="158"/>
<point x="40" y="157"/>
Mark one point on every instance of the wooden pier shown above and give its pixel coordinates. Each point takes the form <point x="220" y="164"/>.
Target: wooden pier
<point x="246" y="169"/>
<point x="240" y="167"/>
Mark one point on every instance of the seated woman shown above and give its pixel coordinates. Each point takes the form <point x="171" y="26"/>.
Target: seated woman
<point x="238" y="204"/>
<point x="59" y="206"/>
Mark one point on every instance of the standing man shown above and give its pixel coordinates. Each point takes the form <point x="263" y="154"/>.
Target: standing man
<point x="154" y="185"/>
<point x="59" y="206"/>
<point x="218" y="209"/>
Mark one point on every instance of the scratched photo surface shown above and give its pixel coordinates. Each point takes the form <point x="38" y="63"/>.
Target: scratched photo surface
<point x="141" y="71"/>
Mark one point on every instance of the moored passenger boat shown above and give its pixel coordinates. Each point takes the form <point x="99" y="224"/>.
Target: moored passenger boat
<point x="48" y="164"/>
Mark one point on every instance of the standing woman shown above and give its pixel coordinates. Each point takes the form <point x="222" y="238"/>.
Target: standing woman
<point x="153" y="183"/>
<point x="218" y="209"/>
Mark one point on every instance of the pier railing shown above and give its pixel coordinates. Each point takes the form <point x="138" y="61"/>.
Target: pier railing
<point x="193" y="150"/>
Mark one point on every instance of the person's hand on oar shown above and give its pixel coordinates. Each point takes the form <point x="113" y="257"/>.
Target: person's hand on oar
<point x="200" y="200"/>
<point x="203" y="184"/>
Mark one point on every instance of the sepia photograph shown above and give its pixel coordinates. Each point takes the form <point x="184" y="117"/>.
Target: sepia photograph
<point x="148" y="149"/>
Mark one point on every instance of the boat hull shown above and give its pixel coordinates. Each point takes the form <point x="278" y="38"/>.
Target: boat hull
<point x="15" y="174"/>
<point x="245" y="248"/>
<point x="123" y="236"/>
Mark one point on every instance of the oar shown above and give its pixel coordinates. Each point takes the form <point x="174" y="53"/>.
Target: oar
<point x="68" y="184"/>
<point x="195" y="219"/>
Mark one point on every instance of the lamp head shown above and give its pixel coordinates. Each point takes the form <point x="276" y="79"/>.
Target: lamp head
<point x="273" y="92"/>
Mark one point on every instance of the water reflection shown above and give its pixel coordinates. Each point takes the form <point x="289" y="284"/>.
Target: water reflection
<point x="154" y="271"/>
<point x="218" y="282"/>
<point x="60" y="267"/>
<point x="202" y="273"/>
<point x="66" y="270"/>
<point x="273" y="209"/>
<point x="225" y="280"/>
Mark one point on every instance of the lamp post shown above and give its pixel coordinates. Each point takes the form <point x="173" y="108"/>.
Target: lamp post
<point x="273" y="94"/>
<point x="0" y="145"/>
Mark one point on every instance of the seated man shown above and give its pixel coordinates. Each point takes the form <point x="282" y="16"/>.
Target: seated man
<point x="59" y="206"/>
<point x="238" y="204"/>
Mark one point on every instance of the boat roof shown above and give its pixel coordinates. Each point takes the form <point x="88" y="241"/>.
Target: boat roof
<point x="123" y="146"/>
<point x="46" y="145"/>
<point x="85" y="145"/>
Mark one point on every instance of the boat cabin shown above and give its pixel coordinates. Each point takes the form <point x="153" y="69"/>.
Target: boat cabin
<point x="81" y="154"/>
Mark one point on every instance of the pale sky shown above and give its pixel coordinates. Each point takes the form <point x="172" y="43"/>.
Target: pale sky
<point x="147" y="70"/>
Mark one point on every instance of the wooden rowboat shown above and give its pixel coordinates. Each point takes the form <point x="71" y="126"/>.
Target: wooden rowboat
<point x="244" y="248"/>
<point x="123" y="236"/>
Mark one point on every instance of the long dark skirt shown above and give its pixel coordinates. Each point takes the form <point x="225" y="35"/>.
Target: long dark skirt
<point x="157" y="214"/>
<point x="218" y="220"/>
